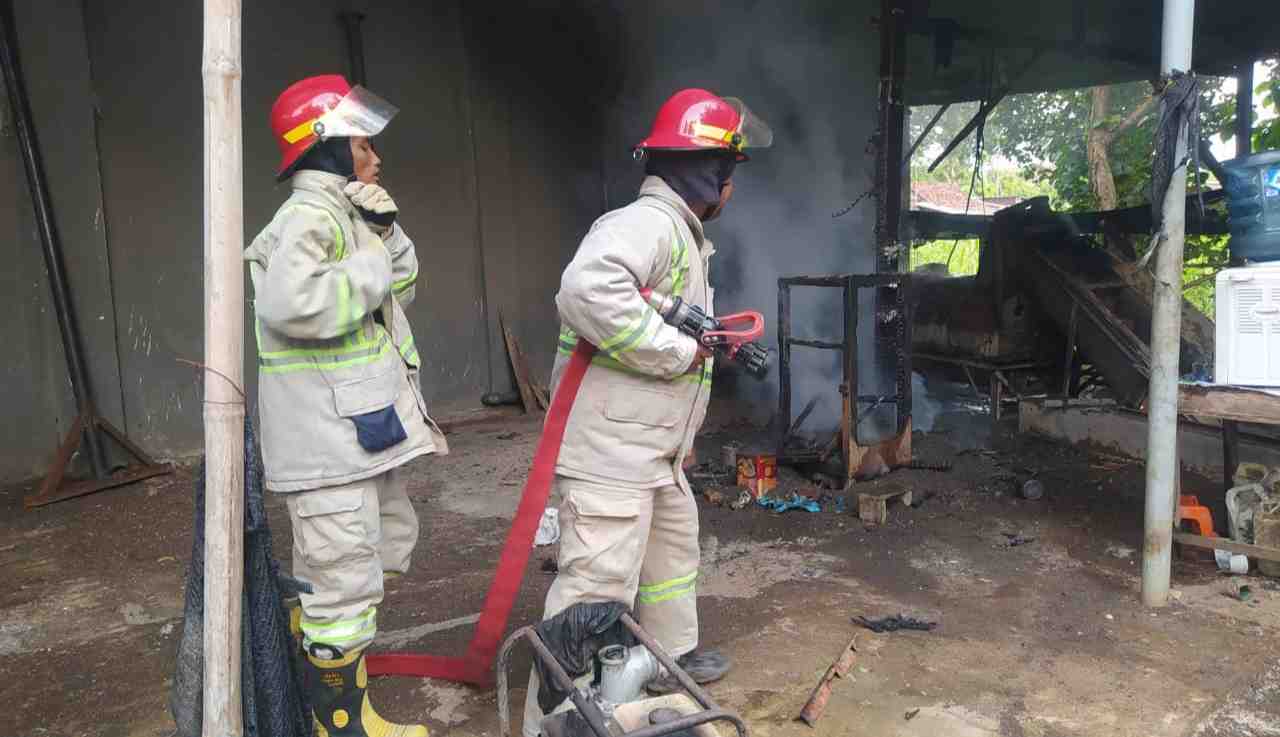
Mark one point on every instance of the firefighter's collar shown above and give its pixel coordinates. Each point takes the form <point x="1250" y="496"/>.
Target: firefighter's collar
<point x="323" y="183"/>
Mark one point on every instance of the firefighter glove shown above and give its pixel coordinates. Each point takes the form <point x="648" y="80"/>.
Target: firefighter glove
<point x="374" y="204"/>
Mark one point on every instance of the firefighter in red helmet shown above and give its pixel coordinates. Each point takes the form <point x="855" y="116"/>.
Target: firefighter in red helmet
<point x="628" y="521"/>
<point x="340" y="406"/>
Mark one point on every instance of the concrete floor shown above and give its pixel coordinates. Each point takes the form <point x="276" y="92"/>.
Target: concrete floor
<point x="1040" y="639"/>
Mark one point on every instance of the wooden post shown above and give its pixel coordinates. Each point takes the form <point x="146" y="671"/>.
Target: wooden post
<point x="224" y="375"/>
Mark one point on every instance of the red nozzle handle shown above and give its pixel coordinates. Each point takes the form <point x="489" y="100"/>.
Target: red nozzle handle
<point x="738" y="328"/>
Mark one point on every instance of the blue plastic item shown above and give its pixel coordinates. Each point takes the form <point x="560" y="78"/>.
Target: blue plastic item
<point x="1253" y="206"/>
<point x="795" y="501"/>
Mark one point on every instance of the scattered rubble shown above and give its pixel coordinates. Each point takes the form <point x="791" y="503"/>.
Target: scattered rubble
<point x="895" y="623"/>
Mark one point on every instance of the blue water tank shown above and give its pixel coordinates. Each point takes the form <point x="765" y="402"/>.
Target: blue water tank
<point x="1253" y="206"/>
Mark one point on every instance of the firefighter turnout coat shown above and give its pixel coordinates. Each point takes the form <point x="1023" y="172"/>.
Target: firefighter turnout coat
<point x="645" y="395"/>
<point x="338" y="392"/>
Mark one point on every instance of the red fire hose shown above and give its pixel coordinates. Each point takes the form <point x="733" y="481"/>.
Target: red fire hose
<point x="476" y="666"/>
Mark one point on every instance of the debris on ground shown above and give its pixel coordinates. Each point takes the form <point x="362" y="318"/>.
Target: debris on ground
<point x="895" y="623"/>
<point x="712" y="474"/>
<point x="817" y="702"/>
<point x="940" y="466"/>
<point x="758" y="472"/>
<point x="507" y="435"/>
<point x="1032" y="490"/>
<point x="911" y="714"/>
<point x="795" y="501"/>
<point x="1123" y="552"/>
<point x="1014" y="539"/>
<point x="834" y="503"/>
<point x="549" y="565"/>
<point x="714" y="496"/>
<point x="744" y="499"/>
<point x="1238" y="590"/>
<point x="873" y="509"/>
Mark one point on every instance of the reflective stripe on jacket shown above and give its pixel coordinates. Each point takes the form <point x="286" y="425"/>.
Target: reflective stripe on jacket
<point x="640" y="405"/>
<point x="337" y="365"/>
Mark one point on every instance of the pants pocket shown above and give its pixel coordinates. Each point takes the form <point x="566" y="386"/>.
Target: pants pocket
<point x="604" y="539"/>
<point x="329" y="526"/>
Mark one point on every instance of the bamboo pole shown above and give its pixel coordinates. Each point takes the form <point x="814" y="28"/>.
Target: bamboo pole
<point x="224" y="376"/>
<point x="1160" y="514"/>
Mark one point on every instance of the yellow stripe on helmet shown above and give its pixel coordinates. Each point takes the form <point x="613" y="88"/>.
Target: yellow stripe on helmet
<point x="300" y="131"/>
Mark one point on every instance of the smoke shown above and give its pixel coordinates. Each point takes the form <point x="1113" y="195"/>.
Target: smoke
<point x="810" y="70"/>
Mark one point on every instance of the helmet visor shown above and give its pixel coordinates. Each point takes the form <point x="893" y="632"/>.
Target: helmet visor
<point x="754" y="132"/>
<point x="359" y="114"/>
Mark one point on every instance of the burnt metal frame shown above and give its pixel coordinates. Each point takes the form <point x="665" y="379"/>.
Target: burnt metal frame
<point x="711" y="712"/>
<point x="849" y="284"/>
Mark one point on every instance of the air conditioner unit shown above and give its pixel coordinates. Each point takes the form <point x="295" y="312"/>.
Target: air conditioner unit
<point x="1248" y="326"/>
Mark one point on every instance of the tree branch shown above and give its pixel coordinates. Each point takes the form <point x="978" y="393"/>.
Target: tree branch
<point x="1137" y="116"/>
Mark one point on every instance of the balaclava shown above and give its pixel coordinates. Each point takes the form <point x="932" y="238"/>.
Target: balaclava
<point x="332" y="155"/>
<point x="697" y="176"/>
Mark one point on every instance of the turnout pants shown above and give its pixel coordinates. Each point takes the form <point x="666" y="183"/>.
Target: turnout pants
<point x="344" y="538"/>
<point x="639" y="546"/>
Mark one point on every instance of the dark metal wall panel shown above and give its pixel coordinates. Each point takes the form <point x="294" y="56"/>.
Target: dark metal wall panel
<point x="33" y="377"/>
<point x="809" y="69"/>
<point x="151" y="151"/>
<point x="56" y="66"/>
<point x="541" y="74"/>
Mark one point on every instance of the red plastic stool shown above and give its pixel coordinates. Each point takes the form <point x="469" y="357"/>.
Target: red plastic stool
<point x="1191" y="510"/>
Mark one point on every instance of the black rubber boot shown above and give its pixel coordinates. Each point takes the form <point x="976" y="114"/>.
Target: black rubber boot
<point x="703" y="666"/>
<point x="338" y="687"/>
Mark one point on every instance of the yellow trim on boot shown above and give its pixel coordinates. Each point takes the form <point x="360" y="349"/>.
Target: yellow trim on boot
<point x="376" y="726"/>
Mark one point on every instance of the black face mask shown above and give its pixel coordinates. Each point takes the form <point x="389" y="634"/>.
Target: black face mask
<point x="697" y="176"/>
<point x="332" y="155"/>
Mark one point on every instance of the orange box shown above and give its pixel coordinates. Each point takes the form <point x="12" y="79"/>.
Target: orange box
<point x="758" y="473"/>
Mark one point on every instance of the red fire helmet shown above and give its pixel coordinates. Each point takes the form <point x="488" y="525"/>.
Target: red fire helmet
<point x="695" y="120"/>
<point x="324" y="107"/>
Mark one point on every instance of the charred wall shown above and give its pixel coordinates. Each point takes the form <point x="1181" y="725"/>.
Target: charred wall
<point x="810" y="69"/>
<point x="515" y="133"/>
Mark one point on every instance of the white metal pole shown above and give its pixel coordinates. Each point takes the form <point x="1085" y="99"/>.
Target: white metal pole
<point x="1166" y="335"/>
<point x="224" y="374"/>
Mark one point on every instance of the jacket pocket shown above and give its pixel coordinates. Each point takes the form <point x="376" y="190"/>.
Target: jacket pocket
<point x="370" y="405"/>
<point x="643" y="407"/>
<point x="329" y="526"/>
<point x="603" y="541"/>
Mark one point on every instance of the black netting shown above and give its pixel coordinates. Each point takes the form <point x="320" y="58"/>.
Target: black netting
<point x="1181" y="106"/>
<point x="272" y="693"/>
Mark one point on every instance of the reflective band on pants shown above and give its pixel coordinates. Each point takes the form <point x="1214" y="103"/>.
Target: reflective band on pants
<point x="344" y="633"/>
<point x="667" y="590"/>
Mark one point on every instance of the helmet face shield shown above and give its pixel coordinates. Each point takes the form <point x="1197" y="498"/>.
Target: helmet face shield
<point x="360" y="113"/>
<point x="752" y="131"/>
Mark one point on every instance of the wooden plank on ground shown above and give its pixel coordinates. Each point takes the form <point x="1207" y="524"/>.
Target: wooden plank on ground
<point x="519" y="367"/>
<point x="1222" y="543"/>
